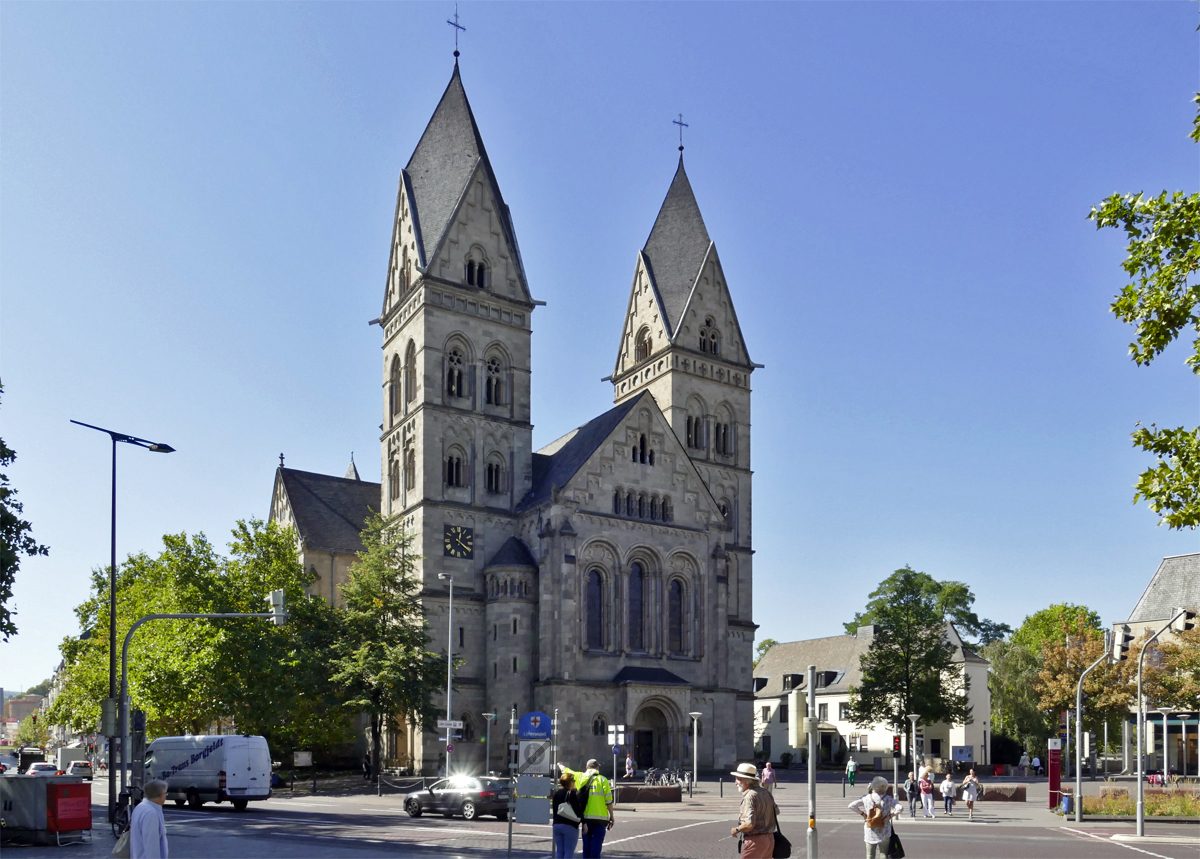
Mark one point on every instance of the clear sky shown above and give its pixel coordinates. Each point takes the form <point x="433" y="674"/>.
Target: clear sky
<point x="195" y="212"/>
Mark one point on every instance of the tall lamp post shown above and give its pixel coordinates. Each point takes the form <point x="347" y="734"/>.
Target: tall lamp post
<point x="912" y="746"/>
<point x="447" y="577"/>
<point x="1141" y="724"/>
<point x="487" y="767"/>
<point x="156" y="447"/>
<point x="695" y="745"/>
<point x="1166" y="755"/>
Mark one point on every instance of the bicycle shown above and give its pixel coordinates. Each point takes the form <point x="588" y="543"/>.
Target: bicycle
<point x="124" y="810"/>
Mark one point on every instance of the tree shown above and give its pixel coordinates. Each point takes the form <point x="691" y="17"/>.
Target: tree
<point x="33" y="731"/>
<point x="909" y="667"/>
<point x="1161" y="300"/>
<point x="16" y="540"/>
<point x="954" y="601"/>
<point x="1054" y="622"/>
<point x="1107" y="693"/>
<point x="760" y="649"/>
<point x="1171" y="676"/>
<point x="381" y="661"/>
<point x="42" y="688"/>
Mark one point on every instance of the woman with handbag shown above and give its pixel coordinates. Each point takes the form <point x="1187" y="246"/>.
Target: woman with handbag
<point x="877" y="810"/>
<point x="568" y="809"/>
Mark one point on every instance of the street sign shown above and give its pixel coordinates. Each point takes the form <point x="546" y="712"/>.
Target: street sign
<point x="450" y="747"/>
<point x="534" y="757"/>
<point x="616" y="750"/>
<point x="450" y="723"/>
<point x="811" y="724"/>
<point x="302" y="759"/>
<point x="534" y="726"/>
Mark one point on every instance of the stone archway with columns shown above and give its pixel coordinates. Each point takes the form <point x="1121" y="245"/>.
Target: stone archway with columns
<point x="662" y="710"/>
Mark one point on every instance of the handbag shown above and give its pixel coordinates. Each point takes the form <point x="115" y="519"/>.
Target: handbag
<point x="783" y="847"/>
<point x="895" y="850"/>
<point x="121" y="848"/>
<point x="566" y="812"/>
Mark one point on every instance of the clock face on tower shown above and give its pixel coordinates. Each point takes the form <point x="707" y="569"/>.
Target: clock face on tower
<point x="458" y="542"/>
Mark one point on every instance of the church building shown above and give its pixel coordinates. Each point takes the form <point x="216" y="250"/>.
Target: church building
<point x="607" y="576"/>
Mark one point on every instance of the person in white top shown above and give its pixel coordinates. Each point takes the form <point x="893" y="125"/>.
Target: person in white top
<point x="971" y="793"/>
<point x="947" y="789"/>
<point x="147" y="828"/>
<point x="1023" y="764"/>
<point x="877" y="810"/>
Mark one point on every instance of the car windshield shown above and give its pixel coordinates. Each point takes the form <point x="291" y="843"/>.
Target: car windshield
<point x="462" y="782"/>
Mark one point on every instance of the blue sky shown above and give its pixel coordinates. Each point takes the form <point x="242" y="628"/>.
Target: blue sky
<point x="196" y="204"/>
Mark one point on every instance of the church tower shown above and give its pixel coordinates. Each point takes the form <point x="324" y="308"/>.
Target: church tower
<point x="456" y="433"/>
<point x="681" y="342"/>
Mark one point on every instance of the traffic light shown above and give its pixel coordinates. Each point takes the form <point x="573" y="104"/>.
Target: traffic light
<point x="34" y="717"/>
<point x="1185" y="621"/>
<point x="277" y="608"/>
<point x="1121" y="642"/>
<point x="895" y="745"/>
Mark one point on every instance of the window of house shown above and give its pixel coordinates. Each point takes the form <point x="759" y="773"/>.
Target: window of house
<point x="721" y="439"/>
<point x="710" y="337"/>
<point x="454" y="374"/>
<point x="642" y="453"/>
<point x="494" y="386"/>
<point x="654" y="507"/>
<point x="636" y="592"/>
<point x="823" y="712"/>
<point x="462" y="634"/>
<point x="410" y="468"/>
<point x="643" y="346"/>
<point x="394" y="479"/>
<point x="514" y="671"/>
<point x="641" y="507"/>
<point x="394" y="382"/>
<point x="514" y="623"/>
<point x="599" y="727"/>
<point x="630" y="504"/>
<point x="695" y="433"/>
<point x="481" y="273"/>
<point x="668" y="512"/>
<point x="454" y="470"/>
<point x="783" y="714"/>
<point x="765" y="715"/>
<point x="862" y="742"/>
<point x="470" y="272"/>
<point x="595" y="611"/>
<point x="843" y="712"/>
<point x="675" y="617"/>
<point x="493" y="474"/>
<point x="617" y="504"/>
<point x="410" y="373"/>
<point x="935" y="748"/>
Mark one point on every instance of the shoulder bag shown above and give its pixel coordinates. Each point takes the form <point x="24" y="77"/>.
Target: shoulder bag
<point x="121" y="848"/>
<point x="783" y="847"/>
<point x="895" y="850"/>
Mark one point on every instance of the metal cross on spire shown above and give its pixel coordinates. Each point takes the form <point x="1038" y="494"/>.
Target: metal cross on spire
<point x="682" y="125"/>
<point x="457" y="26"/>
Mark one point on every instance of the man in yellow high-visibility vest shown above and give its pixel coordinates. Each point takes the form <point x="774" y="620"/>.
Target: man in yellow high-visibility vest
<point x="598" y="813"/>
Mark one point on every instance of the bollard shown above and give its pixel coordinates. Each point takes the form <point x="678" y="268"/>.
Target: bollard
<point x="721" y="782"/>
<point x="843" y="787"/>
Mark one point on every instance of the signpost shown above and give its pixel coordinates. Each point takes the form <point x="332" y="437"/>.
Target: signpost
<point x="1054" y="770"/>
<point x="532" y="791"/>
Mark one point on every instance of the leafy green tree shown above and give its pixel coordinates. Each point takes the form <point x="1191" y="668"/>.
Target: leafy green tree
<point x="382" y="662"/>
<point x="1107" y="690"/>
<point x="42" y="688"/>
<point x="760" y="649"/>
<point x="1054" y="623"/>
<point x="16" y="540"/>
<point x="909" y="667"/>
<point x="1161" y="300"/>
<point x="954" y="601"/>
<point x="33" y="731"/>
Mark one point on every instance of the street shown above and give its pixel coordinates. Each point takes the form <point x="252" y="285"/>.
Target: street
<point x="362" y="824"/>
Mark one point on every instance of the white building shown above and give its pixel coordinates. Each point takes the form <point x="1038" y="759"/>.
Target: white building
<point x="781" y="701"/>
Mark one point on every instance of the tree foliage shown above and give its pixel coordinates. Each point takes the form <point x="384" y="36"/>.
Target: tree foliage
<point x="1171" y="675"/>
<point x="954" y="602"/>
<point x="381" y="661"/>
<point x="909" y="667"/>
<point x="16" y="540"/>
<point x="760" y="649"/>
<point x="1107" y="692"/>
<point x="33" y="731"/>
<point x="1161" y="300"/>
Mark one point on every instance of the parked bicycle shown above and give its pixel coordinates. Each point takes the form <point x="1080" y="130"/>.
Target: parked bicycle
<point x="125" y="804"/>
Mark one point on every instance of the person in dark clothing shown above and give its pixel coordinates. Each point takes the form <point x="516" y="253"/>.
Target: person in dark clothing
<point x="568" y="811"/>
<point x="366" y="766"/>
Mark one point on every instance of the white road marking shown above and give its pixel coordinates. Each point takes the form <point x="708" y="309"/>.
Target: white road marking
<point x="659" y="832"/>
<point x="1110" y="841"/>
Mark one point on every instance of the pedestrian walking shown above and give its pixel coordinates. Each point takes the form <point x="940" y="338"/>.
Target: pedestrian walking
<point x="147" y="828"/>
<point x="877" y="810"/>
<point x="597" y="796"/>
<point x="756" y="821"/>
<point x="851" y="771"/>
<point x="366" y="765"/>
<point x="1037" y="765"/>
<point x="971" y="793"/>
<point x="947" y="788"/>
<point x="926" y="788"/>
<point x="629" y="768"/>
<point x="568" y="812"/>
<point x="913" y="794"/>
<point x="1023" y="764"/>
<point x="768" y="778"/>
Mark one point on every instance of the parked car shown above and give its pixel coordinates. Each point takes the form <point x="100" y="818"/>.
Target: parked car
<point x="80" y="768"/>
<point x="42" y="769"/>
<point x="465" y="795"/>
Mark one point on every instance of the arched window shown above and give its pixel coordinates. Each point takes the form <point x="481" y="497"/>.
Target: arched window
<point x="642" y="507"/>
<point x="630" y="504"/>
<point x="642" y="450"/>
<point x="710" y="337"/>
<point x="675" y="617"/>
<point x="454" y="470"/>
<point x="481" y="276"/>
<point x="721" y="439"/>
<point x="668" y="512"/>
<point x="654" y="507"/>
<point x="637" y="585"/>
<point x="643" y="345"/>
<point x="468" y="728"/>
<point x="394" y="389"/>
<point x="394" y="479"/>
<point x="617" y="505"/>
<point x="454" y="374"/>
<point x="494" y="475"/>
<point x="410" y="372"/>
<point x="405" y="270"/>
<point x="470" y="272"/>
<point x="410" y="468"/>
<point x="695" y="433"/>
<point x="599" y="727"/>
<point x="494" y="386"/>
<point x="595" y="611"/>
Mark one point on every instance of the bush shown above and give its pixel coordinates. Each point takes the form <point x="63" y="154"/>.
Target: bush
<point x="785" y="760"/>
<point x="1169" y="803"/>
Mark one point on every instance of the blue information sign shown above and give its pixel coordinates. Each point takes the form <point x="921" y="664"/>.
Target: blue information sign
<point x="534" y="726"/>
<point x="616" y="750"/>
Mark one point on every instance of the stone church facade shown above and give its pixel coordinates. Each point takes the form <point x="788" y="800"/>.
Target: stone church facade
<point x="607" y="575"/>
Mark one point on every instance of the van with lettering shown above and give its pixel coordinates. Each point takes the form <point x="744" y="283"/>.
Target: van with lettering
<point x="200" y="769"/>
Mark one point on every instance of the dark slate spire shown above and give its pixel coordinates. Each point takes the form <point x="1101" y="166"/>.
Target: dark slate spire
<point x="442" y="165"/>
<point x="677" y="247"/>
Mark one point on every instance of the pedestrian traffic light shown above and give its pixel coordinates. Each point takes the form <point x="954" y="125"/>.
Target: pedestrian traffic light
<point x="34" y="718"/>
<point x="1121" y="642"/>
<point x="895" y="745"/>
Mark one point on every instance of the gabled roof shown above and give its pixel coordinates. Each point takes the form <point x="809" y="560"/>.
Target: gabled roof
<point x="514" y="553"/>
<point x="555" y="469"/>
<point x="443" y="165"/>
<point x="330" y="512"/>
<point x="1175" y="584"/>
<point x="650" y="676"/>
<point x="676" y="248"/>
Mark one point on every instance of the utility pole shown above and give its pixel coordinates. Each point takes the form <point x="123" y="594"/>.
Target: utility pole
<point x="811" y="724"/>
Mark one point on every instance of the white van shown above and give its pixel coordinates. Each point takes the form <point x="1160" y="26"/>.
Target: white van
<point x="204" y="769"/>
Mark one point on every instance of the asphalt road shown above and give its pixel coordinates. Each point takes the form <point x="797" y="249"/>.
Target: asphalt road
<point x="366" y="825"/>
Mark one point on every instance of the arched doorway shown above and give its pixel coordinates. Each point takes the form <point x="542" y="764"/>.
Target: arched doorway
<point x="651" y="738"/>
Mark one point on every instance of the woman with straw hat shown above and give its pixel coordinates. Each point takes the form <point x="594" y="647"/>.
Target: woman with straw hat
<point x="756" y="824"/>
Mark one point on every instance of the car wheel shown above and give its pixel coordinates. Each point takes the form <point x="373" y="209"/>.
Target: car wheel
<point x="179" y="803"/>
<point x="502" y="815"/>
<point x="468" y="810"/>
<point x="413" y="808"/>
<point x="239" y="804"/>
<point x="193" y="799"/>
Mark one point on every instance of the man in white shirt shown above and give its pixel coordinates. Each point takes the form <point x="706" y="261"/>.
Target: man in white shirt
<point x="147" y="829"/>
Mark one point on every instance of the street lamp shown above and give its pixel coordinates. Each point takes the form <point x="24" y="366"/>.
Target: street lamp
<point x="912" y="747"/>
<point x="695" y="745"/>
<point x="447" y="577"/>
<point x="156" y="447"/>
<point x="1141" y="723"/>
<point x="487" y="767"/>
<point x="1166" y="755"/>
<point x="1182" y="717"/>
